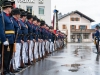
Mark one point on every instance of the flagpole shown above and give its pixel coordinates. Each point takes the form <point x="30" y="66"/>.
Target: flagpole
<point x="55" y="20"/>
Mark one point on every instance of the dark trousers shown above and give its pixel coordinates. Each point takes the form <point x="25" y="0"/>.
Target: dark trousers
<point x="0" y="56"/>
<point x="0" y="48"/>
<point x="7" y="57"/>
<point x="97" y="45"/>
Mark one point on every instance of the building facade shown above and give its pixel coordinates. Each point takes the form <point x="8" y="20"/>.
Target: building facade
<point x="77" y="26"/>
<point x="40" y="8"/>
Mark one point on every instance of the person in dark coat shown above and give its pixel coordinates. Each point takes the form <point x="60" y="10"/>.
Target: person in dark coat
<point x="18" y="37"/>
<point x="96" y="38"/>
<point x="7" y="35"/>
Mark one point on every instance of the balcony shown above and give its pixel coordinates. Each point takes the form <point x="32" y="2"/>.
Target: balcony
<point x="82" y="31"/>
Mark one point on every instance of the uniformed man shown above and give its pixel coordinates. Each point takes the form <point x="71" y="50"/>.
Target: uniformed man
<point x="96" y="37"/>
<point x="47" y="39"/>
<point x="18" y="38"/>
<point x="52" y="38"/>
<point x="36" y="37"/>
<point x="29" y="23"/>
<point x="43" y="37"/>
<point x="24" y="50"/>
<point x="58" y="39"/>
<point x="40" y="39"/>
<point x="7" y="35"/>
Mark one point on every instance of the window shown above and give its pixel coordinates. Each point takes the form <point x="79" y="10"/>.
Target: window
<point x="41" y="10"/>
<point x="64" y="27"/>
<point x="77" y="19"/>
<point x="72" y="36"/>
<point x="72" y="19"/>
<point x="86" y="36"/>
<point x="40" y="1"/>
<point x="79" y="36"/>
<point x="33" y="13"/>
<point x="83" y="27"/>
<point x="29" y="9"/>
<point x="73" y="27"/>
<point x="19" y="6"/>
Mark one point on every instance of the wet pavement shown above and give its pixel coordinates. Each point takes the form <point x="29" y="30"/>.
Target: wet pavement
<point x="74" y="59"/>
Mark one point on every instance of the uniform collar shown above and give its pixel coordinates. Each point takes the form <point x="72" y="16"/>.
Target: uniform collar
<point x="6" y="14"/>
<point x="30" y="22"/>
<point x="23" y="21"/>
<point x="15" y="19"/>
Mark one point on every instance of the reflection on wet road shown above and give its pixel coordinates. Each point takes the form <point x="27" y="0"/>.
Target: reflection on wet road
<point x="74" y="59"/>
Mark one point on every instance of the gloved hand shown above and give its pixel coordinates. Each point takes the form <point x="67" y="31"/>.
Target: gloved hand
<point x="6" y="43"/>
<point x="34" y="40"/>
<point x="28" y="41"/>
<point x="49" y="40"/>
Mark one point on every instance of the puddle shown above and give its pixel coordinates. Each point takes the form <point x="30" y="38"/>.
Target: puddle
<point x="72" y="65"/>
<point x="56" y="71"/>
<point x="57" y="57"/>
<point x="73" y="70"/>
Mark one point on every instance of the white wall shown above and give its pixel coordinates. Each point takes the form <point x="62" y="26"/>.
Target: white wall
<point x="35" y="5"/>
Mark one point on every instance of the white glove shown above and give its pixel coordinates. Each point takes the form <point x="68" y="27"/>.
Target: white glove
<point x="6" y="43"/>
<point x="50" y="40"/>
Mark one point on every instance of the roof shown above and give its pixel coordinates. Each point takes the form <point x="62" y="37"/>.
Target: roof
<point x="81" y="14"/>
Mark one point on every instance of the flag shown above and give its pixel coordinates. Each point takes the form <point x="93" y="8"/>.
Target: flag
<point x="55" y="23"/>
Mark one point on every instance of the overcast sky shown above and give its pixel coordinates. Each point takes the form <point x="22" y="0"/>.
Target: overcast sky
<point x="91" y="8"/>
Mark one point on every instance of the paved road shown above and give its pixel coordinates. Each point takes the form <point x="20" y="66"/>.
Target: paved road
<point x="74" y="59"/>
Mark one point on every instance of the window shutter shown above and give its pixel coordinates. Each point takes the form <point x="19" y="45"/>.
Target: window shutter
<point x="78" y="19"/>
<point x="72" y="19"/>
<point x="86" y="26"/>
<point x="63" y="26"/>
<point x="70" y="27"/>
<point x="79" y="26"/>
<point x="75" y="26"/>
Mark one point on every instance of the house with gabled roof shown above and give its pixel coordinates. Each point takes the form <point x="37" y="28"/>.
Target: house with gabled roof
<point x="76" y="25"/>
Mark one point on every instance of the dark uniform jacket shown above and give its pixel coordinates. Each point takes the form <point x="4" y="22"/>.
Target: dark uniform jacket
<point x="6" y="29"/>
<point x="30" y="30"/>
<point x="97" y="34"/>
<point x="24" y="31"/>
<point x="35" y="31"/>
<point x="43" y="33"/>
<point x="39" y="32"/>
<point x="18" y="32"/>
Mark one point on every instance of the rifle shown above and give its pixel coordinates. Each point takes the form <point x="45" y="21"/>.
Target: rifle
<point x="21" y="58"/>
<point x="42" y="51"/>
<point x="38" y="53"/>
<point x="34" y="61"/>
<point x="46" y="52"/>
<point x="21" y="63"/>
<point x="29" y="63"/>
